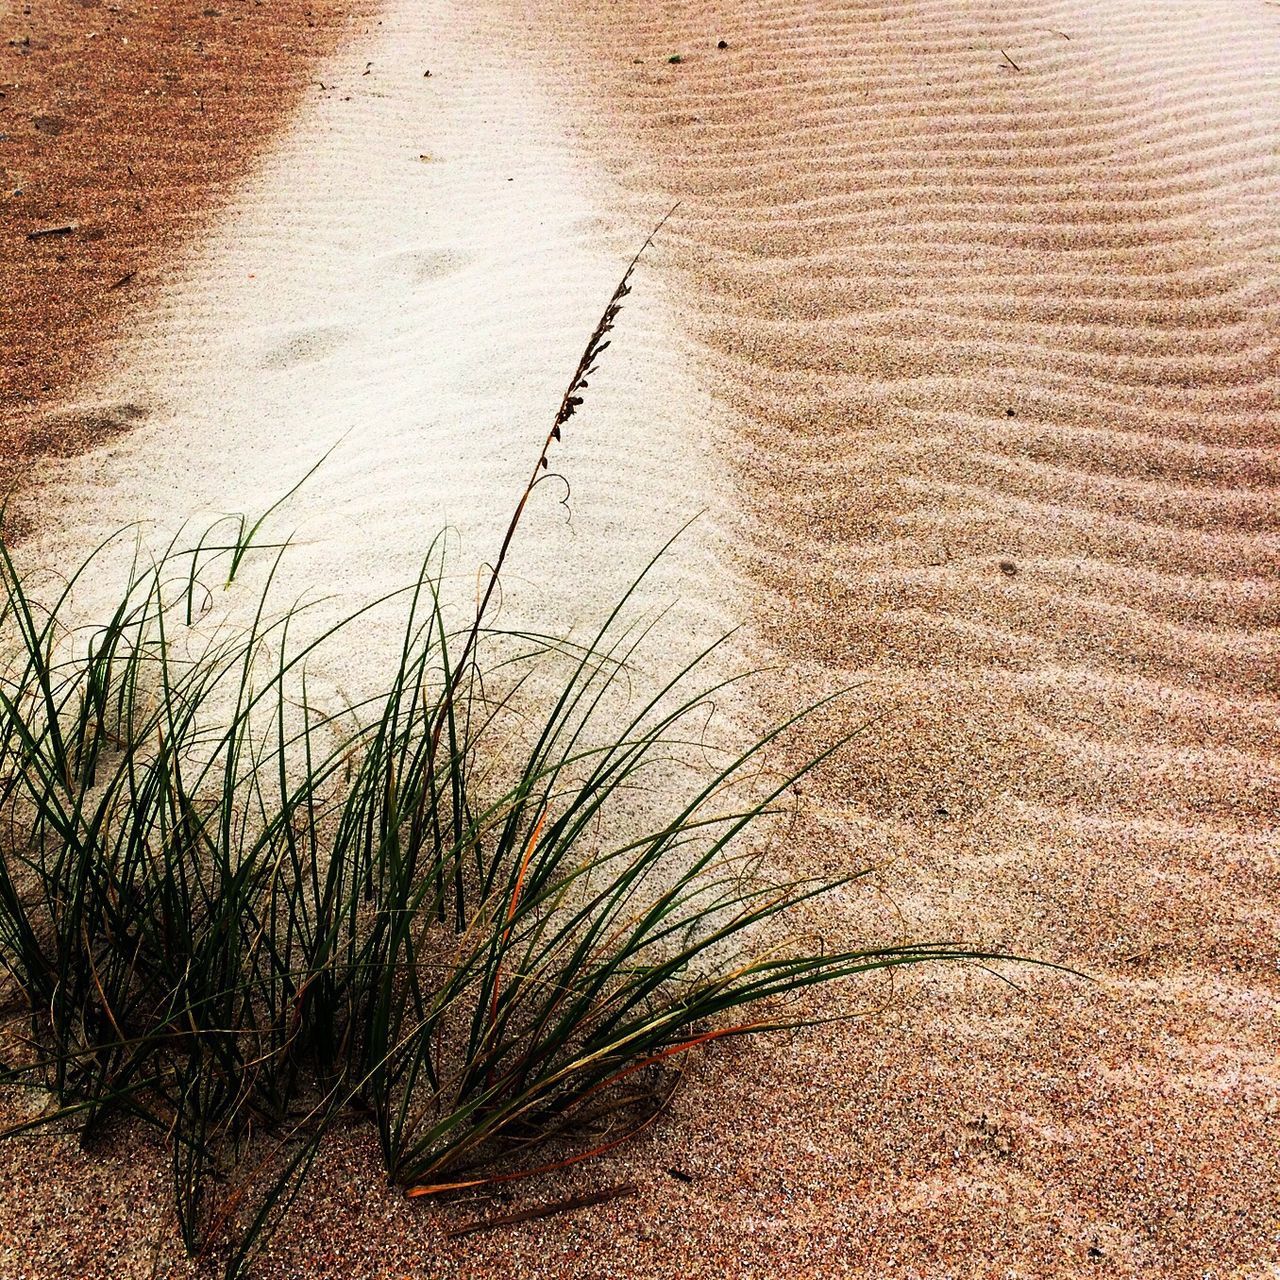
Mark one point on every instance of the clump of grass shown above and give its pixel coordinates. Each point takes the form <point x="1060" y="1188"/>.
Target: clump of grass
<point x="238" y="916"/>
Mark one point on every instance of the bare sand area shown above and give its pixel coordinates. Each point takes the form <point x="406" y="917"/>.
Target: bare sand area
<point x="967" y="330"/>
<point x="123" y="124"/>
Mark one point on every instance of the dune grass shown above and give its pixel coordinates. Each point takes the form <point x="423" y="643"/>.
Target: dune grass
<point x="239" y="915"/>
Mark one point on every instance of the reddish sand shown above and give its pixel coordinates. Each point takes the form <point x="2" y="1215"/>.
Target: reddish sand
<point x="992" y="290"/>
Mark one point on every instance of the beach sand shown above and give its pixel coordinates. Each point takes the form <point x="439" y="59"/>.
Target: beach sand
<point x="965" y="332"/>
<point x="123" y="124"/>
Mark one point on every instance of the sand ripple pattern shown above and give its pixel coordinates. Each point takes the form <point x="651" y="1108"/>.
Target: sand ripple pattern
<point x="987" y="293"/>
<point x="992" y="290"/>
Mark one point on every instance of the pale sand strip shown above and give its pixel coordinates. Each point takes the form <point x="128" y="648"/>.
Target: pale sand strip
<point x="408" y="278"/>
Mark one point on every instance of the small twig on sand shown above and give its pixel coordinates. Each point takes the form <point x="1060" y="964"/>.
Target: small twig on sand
<point x="1010" y="61"/>
<point x="50" y="231"/>
<point x="543" y="1210"/>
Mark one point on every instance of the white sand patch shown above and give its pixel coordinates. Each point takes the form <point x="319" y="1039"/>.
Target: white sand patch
<point x="410" y="277"/>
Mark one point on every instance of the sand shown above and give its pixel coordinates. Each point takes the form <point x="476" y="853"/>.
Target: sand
<point x="402" y="288"/>
<point x="974" y="308"/>
<point x="122" y="123"/>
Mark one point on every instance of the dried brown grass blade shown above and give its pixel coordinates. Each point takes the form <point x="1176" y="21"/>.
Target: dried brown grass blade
<point x="569" y="1205"/>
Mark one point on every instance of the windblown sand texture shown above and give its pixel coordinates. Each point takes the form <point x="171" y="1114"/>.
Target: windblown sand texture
<point x="123" y="125"/>
<point x="992" y="289"/>
<point x="987" y="299"/>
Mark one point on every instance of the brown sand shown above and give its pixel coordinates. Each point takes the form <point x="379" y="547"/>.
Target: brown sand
<point x="989" y="290"/>
<point x="127" y="123"/>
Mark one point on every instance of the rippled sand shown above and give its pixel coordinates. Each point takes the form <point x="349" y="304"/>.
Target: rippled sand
<point x="983" y="302"/>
